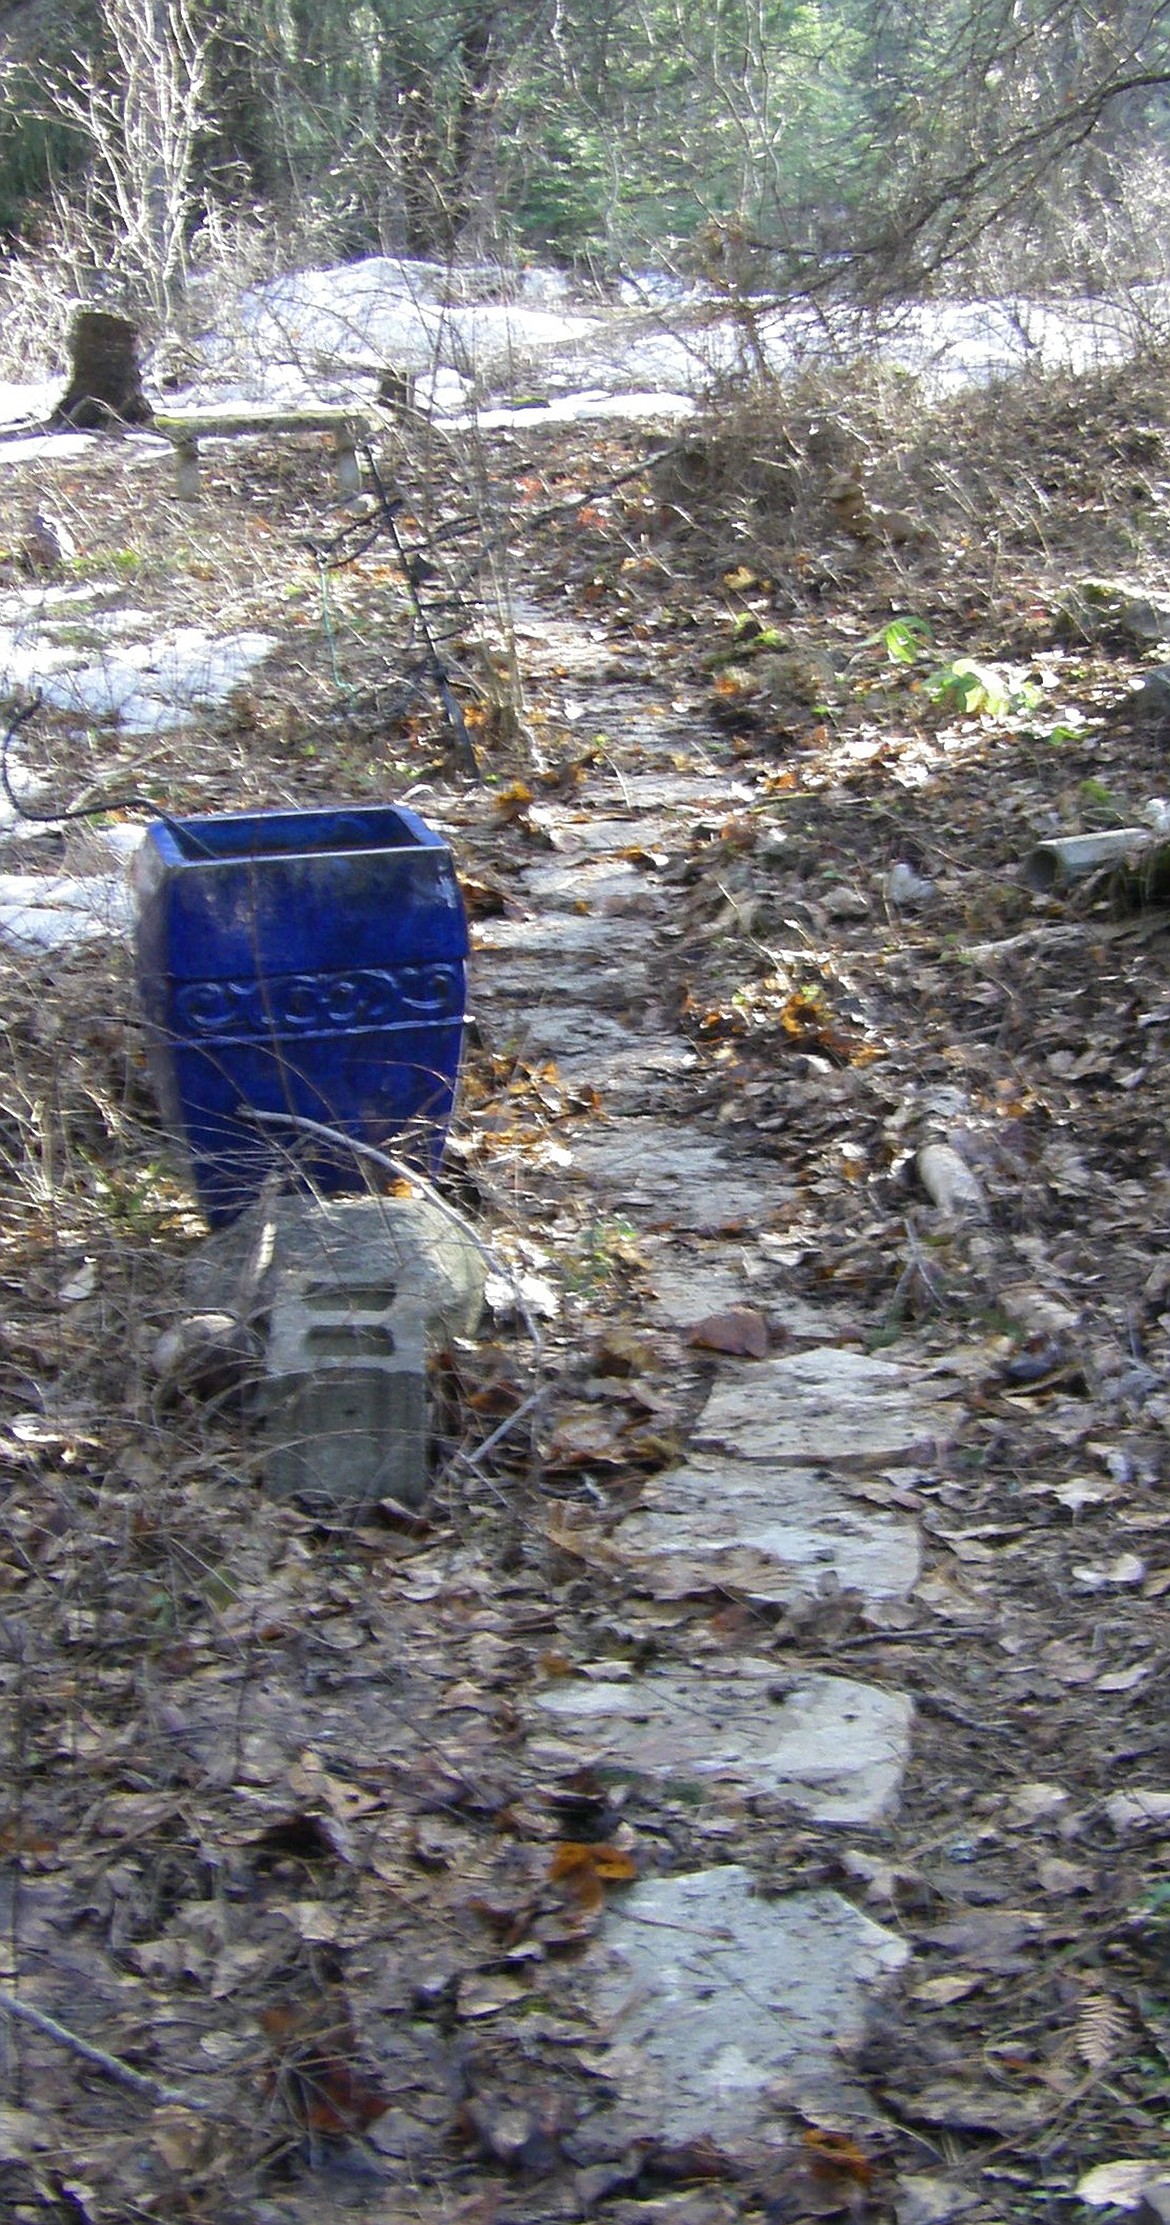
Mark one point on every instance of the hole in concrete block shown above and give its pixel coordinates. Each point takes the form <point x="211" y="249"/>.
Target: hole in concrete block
<point x="351" y="1340"/>
<point x="370" y="1297"/>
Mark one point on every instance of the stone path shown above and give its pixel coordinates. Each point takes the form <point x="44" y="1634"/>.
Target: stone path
<point x="718" y="2001"/>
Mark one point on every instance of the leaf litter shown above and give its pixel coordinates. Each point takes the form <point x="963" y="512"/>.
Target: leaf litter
<point x="275" y="1836"/>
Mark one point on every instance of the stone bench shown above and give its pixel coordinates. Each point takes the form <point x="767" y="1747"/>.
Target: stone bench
<point x="186" y="428"/>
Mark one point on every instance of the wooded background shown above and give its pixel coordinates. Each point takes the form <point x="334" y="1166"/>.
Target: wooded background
<point x="763" y="145"/>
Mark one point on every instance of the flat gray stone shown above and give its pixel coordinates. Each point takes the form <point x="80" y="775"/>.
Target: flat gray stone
<point x="564" y="958"/>
<point x="662" y="791"/>
<point x="828" y="1404"/>
<point x="712" y="1995"/>
<point x="626" y="1063"/>
<point x="690" y="1283"/>
<point x="680" y="1179"/>
<point x="605" y="881"/>
<point x="584" y="937"/>
<point x="834" y="1748"/>
<point x="769" y="1534"/>
<point x="580" y="833"/>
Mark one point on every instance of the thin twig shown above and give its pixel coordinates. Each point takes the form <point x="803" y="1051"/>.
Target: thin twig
<point x="475" y="1460"/>
<point x="388" y="512"/>
<point x="151" y="2089"/>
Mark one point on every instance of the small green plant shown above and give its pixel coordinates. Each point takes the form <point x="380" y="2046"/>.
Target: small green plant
<point x="1099" y="805"/>
<point x="969" y="688"/>
<point x="607" y="1246"/>
<point x="977" y="690"/>
<point x="903" y="639"/>
<point x="753" y="636"/>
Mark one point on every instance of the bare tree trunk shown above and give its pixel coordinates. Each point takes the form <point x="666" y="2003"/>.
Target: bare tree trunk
<point x="105" y="386"/>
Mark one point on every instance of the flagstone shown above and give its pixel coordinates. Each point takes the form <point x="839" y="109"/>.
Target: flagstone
<point x="723" y="2004"/>
<point x="832" y="1403"/>
<point x="832" y="1747"/>
<point x="770" y="1534"/>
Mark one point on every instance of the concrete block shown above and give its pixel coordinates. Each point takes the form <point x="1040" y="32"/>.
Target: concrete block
<point x="406" y="1243"/>
<point x="344" y="1395"/>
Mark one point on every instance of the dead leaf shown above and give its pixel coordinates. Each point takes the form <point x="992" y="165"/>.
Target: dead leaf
<point x="511" y="803"/>
<point x="315" y="2073"/>
<point x="975" y="2108"/>
<point x="953" y="1985"/>
<point x="925" y="2198"/>
<point x="739" y="1330"/>
<point x="22" y="2132"/>
<point x="186" y="2142"/>
<point x="1125" y="1680"/>
<point x="1118" y="2185"/>
<point x="1126" y="1570"/>
<point x="1036" y="1802"/>
<point x="685" y="2163"/>
<point x="623" y="1352"/>
<point x="585" y="1870"/>
<point x="1130" y="1810"/>
<point x="831" y="2177"/>
<point x="524" y="2140"/>
<point x="1103" y="2030"/>
<point x="1056" y="1876"/>
<point x="484" y="1994"/>
<point x="989" y="1938"/>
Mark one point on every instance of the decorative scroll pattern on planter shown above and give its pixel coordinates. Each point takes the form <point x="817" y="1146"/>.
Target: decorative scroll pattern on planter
<point x="318" y="1004"/>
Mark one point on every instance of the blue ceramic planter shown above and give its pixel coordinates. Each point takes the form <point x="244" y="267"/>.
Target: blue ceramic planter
<point x="307" y="964"/>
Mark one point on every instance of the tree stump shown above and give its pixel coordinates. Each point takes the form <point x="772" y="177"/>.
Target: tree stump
<point x="105" y="385"/>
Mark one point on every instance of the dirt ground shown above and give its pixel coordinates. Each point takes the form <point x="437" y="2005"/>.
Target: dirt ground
<point x="353" y="1983"/>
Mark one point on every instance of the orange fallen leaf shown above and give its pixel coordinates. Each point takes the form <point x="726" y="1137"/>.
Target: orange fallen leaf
<point x="587" y="1869"/>
<point x="835" y="2151"/>
<point x="609" y="1862"/>
<point x="512" y="802"/>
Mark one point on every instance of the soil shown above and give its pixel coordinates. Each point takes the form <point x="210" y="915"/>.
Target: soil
<point x="274" y="1838"/>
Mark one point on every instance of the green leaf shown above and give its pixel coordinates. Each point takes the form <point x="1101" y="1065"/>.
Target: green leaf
<point x="969" y="688"/>
<point x="903" y="640"/>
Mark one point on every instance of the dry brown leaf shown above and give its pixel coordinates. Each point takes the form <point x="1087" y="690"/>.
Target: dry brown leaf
<point x="739" y="1330"/>
<point x="623" y="1352"/>
<point x="1058" y="1876"/>
<point x="314" y="2072"/>
<point x="1117" y="2185"/>
<point x="610" y="1863"/>
<point x="585" y="1870"/>
<point x="975" y="2108"/>
<point x="511" y="803"/>
<point x="1102" y="2030"/>
<point x="954" y="1985"/>
<point x="568" y="1531"/>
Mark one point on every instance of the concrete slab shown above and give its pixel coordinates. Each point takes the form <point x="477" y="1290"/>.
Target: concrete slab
<point x="713" y="1995"/>
<point x="628" y="1065"/>
<point x="688" y="1283"/>
<point x="678" y="1179"/>
<point x="603" y="882"/>
<point x="828" y="1404"/>
<point x="770" y="1534"/>
<point x="834" y="1748"/>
